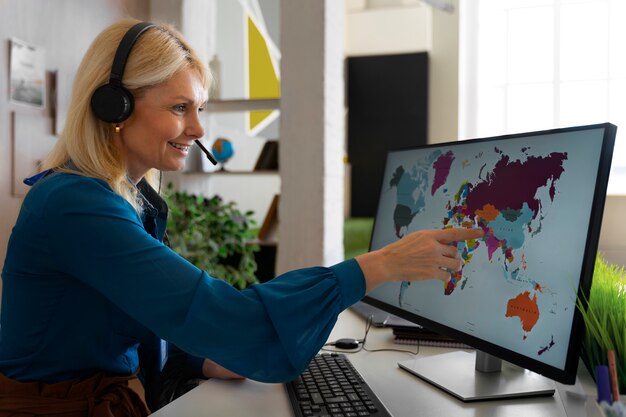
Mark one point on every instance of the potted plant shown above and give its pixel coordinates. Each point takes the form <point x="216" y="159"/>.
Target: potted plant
<point x="214" y="235"/>
<point x="605" y="319"/>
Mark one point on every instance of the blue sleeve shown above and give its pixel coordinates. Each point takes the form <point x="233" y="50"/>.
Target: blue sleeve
<point x="268" y="332"/>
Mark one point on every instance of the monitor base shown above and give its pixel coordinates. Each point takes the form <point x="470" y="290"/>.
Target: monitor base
<point x="455" y="373"/>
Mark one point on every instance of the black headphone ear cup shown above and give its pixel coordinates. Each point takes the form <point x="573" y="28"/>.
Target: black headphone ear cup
<point x="112" y="103"/>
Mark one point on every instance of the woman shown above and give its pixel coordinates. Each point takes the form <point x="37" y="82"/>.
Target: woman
<point x="88" y="282"/>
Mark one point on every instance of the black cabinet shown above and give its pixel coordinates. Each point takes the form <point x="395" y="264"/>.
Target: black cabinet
<point x="387" y="109"/>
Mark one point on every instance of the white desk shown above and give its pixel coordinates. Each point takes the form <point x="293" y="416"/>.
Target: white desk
<point x="402" y="393"/>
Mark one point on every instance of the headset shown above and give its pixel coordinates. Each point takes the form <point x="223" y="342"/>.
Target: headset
<point x="112" y="102"/>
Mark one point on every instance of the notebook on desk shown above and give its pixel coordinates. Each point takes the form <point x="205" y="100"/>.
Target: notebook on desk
<point x="380" y="318"/>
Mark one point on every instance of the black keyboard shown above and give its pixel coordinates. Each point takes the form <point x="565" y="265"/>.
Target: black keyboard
<point x="331" y="387"/>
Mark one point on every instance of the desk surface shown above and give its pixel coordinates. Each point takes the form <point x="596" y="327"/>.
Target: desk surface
<point x="402" y="393"/>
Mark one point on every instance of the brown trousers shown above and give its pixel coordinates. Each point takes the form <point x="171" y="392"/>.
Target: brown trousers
<point x="98" y="396"/>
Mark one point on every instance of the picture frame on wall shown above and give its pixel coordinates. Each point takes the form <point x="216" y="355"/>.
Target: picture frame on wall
<point x="27" y="74"/>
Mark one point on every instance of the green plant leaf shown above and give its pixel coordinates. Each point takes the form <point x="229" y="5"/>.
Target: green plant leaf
<point x="214" y="235"/>
<point x="605" y="318"/>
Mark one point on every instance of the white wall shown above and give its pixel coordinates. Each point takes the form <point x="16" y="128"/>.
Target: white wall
<point x="613" y="234"/>
<point x="443" y="94"/>
<point x="393" y="30"/>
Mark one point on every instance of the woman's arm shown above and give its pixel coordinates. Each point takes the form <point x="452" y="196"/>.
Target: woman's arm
<point x="426" y="254"/>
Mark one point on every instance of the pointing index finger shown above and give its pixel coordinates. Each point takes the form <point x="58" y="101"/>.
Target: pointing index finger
<point x="457" y="234"/>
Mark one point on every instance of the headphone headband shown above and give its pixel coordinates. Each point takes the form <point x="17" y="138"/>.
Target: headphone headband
<point x="123" y="50"/>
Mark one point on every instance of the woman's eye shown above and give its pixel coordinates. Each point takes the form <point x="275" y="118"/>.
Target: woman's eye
<point x="179" y="108"/>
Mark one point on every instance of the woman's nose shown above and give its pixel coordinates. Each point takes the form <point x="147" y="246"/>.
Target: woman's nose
<point x="194" y="128"/>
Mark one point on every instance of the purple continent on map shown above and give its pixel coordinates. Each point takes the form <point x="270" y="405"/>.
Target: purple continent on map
<point x="442" y="170"/>
<point x="512" y="183"/>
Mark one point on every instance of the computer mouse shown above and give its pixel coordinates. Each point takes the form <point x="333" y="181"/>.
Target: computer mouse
<point x="346" y="343"/>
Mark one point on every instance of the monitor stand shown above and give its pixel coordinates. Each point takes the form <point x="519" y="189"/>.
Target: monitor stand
<point x="477" y="376"/>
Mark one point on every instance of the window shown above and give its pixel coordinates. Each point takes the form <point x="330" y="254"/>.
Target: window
<point x="540" y="64"/>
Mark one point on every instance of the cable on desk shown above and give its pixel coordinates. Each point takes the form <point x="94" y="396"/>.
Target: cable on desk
<point x="361" y="343"/>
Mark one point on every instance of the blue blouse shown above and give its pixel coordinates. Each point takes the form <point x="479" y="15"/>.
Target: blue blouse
<point x="84" y="284"/>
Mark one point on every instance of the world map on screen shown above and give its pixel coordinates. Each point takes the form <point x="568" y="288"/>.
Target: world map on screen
<point x="503" y="201"/>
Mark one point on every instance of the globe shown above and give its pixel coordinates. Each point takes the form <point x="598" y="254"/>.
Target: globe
<point x="223" y="150"/>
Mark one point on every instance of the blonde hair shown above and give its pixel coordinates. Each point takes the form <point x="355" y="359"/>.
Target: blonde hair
<point x="85" y="140"/>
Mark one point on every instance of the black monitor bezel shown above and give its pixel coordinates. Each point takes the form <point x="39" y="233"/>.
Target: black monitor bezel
<point x="567" y="375"/>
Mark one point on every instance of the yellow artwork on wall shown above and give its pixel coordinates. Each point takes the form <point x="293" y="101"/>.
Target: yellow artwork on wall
<point x="264" y="82"/>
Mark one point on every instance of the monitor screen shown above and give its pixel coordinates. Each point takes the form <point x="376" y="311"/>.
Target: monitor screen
<point x="539" y="197"/>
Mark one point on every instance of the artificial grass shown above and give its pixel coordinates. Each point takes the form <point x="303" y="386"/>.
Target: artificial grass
<point x="357" y="232"/>
<point x="605" y="319"/>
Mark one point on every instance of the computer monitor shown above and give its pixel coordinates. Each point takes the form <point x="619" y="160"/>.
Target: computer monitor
<point x="539" y="197"/>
